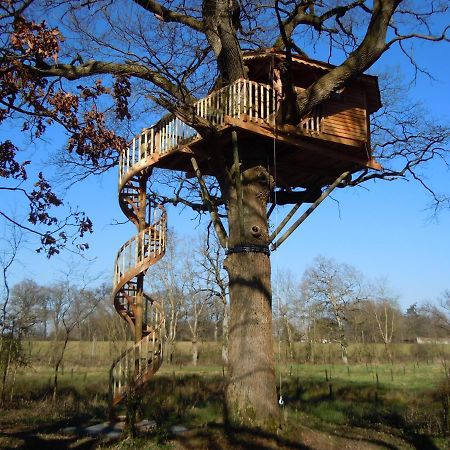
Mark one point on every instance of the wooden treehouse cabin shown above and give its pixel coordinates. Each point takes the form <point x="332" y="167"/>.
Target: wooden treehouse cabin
<point x="332" y="142"/>
<point x="333" y="138"/>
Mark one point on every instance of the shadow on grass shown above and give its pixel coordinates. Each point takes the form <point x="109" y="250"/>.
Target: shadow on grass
<point x="44" y="438"/>
<point x="28" y="424"/>
<point x="368" y="407"/>
<point x="341" y="417"/>
<point x="30" y="441"/>
<point x="220" y="437"/>
<point x="362" y="413"/>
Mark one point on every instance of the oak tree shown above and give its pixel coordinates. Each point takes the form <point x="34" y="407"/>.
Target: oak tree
<point x="82" y="65"/>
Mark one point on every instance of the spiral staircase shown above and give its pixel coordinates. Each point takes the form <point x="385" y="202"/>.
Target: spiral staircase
<point x="135" y="366"/>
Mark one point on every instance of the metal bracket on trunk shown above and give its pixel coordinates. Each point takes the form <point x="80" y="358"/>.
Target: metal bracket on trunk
<point x="251" y="248"/>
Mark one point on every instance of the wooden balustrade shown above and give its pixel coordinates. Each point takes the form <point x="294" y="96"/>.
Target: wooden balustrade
<point x="138" y="363"/>
<point x="134" y="364"/>
<point x="243" y="99"/>
<point x="152" y="242"/>
<point x="256" y="102"/>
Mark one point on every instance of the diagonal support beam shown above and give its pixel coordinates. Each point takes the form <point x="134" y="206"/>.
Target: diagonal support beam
<point x="270" y="211"/>
<point x="220" y="230"/>
<point x="309" y="211"/>
<point x="308" y="196"/>
<point x="284" y="221"/>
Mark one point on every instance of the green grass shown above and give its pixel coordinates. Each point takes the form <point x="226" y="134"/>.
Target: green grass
<point x="408" y="398"/>
<point x="328" y="412"/>
<point x="406" y="402"/>
<point x="404" y="376"/>
<point x="78" y="353"/>
<point x="101" y="353"/>
<point x="167" y="369"/>
<point x="408" y="408"/>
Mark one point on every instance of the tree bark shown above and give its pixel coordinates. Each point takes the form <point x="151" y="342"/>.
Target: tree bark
<point x="251" y="390"/>
<point x="225" y="331"/>
<point x="58" y="364"/>
<point x="290" y="339"/>
<point x="222" y="21"/>
<point x="194" y="352"/>
<point x="342" y="340"/>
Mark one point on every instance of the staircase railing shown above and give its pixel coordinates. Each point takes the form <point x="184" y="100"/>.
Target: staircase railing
<point x="141" y="249"/>
<point x="137" y="364"/>
<point x="243" y="99"/>
<point x="134" y="367"/>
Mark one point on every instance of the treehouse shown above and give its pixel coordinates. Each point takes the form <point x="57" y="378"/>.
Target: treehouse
<point x="324" y="147"/>
<point x="331" y="139"/>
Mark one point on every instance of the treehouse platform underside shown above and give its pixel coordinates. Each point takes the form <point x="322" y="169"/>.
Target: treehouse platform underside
<point x="295" y="157"/>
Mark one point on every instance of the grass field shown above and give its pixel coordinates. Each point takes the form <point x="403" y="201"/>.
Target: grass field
<point x="101" y="353"/>
<point x="398" y="405"/>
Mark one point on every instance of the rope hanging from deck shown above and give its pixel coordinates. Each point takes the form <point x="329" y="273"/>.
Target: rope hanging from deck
<point x="272" y="208"/>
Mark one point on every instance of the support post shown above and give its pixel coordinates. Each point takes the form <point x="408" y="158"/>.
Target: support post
<point x="237" y="175"/>
<point x="309" y="211"/>
<point x="220" y="230"/>
<point x="139" y="296"/>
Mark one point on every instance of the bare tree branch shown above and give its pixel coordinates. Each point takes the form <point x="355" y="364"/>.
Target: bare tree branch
<point x="167" y="15"/>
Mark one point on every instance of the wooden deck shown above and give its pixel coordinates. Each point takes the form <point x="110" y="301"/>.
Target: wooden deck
<point x="315" y="152"/>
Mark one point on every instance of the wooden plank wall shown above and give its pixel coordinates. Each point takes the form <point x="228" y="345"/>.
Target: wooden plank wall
<point x="346" y="115"/>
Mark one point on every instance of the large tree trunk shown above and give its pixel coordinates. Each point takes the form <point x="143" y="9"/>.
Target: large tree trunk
<point x="251" y="391"/>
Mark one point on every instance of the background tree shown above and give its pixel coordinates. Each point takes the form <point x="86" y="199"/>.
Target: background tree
<point x="195" y="305"/>
<point x="385" y="313"/>
<point x="413" y="324"/>
<point x="72" y="305"/>
<point x="335" y="288"/>
<point x="445" y="306"/>
<point x="11" y="354"/>
<point x="289" y="309"/>
<point x="170" y="288"/>
<point x="27" y="299"/>
<point x="210" y="259"/>
<point x="439" y="315"/>
<point x="104" y="324"/>
<point x="7" y="258"/>
<point x="91" y="61"/>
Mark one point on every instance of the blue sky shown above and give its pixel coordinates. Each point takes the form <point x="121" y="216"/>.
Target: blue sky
<point x="383" y="229"/>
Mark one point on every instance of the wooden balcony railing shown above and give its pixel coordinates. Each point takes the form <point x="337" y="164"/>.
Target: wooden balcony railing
<point x="244" y="98"/>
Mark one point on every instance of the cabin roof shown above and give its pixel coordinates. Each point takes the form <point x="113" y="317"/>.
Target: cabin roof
<point x="370" y="82"/>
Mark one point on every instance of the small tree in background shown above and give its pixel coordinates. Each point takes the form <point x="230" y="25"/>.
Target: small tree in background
<point x="334" y="288"/>
<point x="11" y="351"/>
